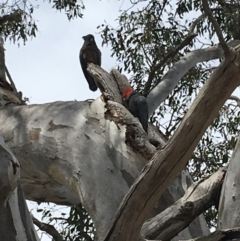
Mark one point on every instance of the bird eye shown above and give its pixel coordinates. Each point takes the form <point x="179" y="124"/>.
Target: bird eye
<point x="91" y="39"/>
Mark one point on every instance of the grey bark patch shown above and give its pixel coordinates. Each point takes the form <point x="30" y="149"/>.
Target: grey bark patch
<point x="55" y="127"/>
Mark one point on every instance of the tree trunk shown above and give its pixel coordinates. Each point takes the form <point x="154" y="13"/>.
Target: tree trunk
<point x="69" y="153"/>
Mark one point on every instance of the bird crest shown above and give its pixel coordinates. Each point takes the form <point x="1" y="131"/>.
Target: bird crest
<point x="127" y="92"/>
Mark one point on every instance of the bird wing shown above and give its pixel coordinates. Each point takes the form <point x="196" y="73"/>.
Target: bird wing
<point x="91" y="54"/>
<point x="138" y="106"/>
<point x="84" y="58"/>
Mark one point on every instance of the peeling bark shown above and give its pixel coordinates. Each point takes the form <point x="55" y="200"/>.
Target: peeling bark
<point x="70" y="153"/>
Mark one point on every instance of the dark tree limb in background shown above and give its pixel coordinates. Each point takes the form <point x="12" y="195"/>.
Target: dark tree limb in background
<point x="214" y="22"/>
<point x="50" y="229"/>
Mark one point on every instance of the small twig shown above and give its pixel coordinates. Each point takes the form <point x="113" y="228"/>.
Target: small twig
<point x="215" y="24"/>
<point x="11" y="17"/>
<point x="233" y="97"/>
<point x="195" y="22"/>
<point x="169" y="55"/>
<point x="48" y="229"/>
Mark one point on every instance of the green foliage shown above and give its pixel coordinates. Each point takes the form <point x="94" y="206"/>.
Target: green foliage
<point x="80" y="226"/>
<point x="16" y="18"/>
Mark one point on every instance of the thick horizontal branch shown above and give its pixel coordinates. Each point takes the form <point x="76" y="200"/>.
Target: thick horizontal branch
<point x="179" y="69"/>
<point x="166" y="163"/>
<point x="198" y="198"/>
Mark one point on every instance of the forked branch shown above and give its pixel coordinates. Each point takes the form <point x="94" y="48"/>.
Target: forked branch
<point x="216" y="26"/>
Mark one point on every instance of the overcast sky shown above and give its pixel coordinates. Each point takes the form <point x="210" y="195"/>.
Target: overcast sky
<point x="47" y="68"/>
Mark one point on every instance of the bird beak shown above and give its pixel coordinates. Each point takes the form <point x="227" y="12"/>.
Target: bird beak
<point x="84" y="37"/>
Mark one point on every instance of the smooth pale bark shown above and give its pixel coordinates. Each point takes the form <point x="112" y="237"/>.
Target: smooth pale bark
<point x="179" y="69"/>
<point x="167" y="162"/>
<point x="199" y="197"/>
<point x="229" y="207"/>
<point x="69" y="153"/>
<point x="70" y="144"/>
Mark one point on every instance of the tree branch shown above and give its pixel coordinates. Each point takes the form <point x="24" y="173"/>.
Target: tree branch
<point x="195" y="22"/>
<point x="166" y="163"/>
<point x="214" y="22"/>
<point x="198" y="198"/>
<point x="179" y="69"/>
<point x="169" y="55"/>
<point x="50" y="229"/>
<point x="173" y="52"/>
<point x="15" y="16"/>
<point x="135" y="135"/>
<point x="233" y="97"/>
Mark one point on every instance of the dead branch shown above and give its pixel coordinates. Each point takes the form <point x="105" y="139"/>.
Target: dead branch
<point x="120" y="79"/>
<point x="166" y="163"/>
<point x="135" y="135"/>
<point x="198" y="198"/>
<point x="105" y="82"/>
<point x="50" y="229"/>
<point x="215" y="24"/>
